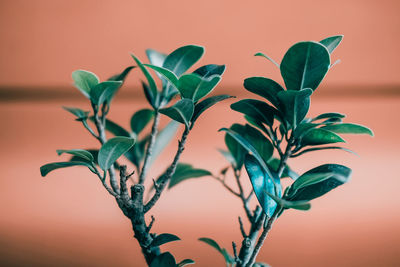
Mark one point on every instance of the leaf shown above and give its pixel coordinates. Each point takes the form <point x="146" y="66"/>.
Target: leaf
<point x="236" y="150"/>
<point x="164" y="260"/>
<point x="305" y="65"/>
<point x="329" y="116"/>
<point x="85" y="81"/>
<point x="211" y="242"/>
<point x="79" y="113"/>
<point x="94" y="153"/>
<point x="259" y="142"/>
<point x="140" y="119"/>
<point x="136" y="153"/>
<point x="83" y="154"/>
<point x="162" y="239"/>
<point x="121" y="76"/>
<point x="256" y="109"/>
<point x="295" y="105"/>
<point x="104" y="92"/>
<point x="332" y="42"/>
<point x="114" y="128"/>
<point x="112" y="150"/>
<point x="348" y="128"/>
<point x="181" y="111"/>
<point x="164" y="137"/>
<point x="152" y="84"/>
<point x="273" y="164"/>
<point x="45" y="169"/>
<point x="180" y="60"/>
<point x="264" y="87"/>
<point x="195" y="87"/>
<point x="262" y="182"/>
<point x="340" y="175"/>
<point x="202" y="106"/>
<point x="228" y="156"/>
<point x="261" y="264"/>
<point x="298" y="205"/>
<point x="304" y="128"/>
<point x="186" y="262"/>
<point x="321" y="148"/>
<point x="210" y="70"/>
<point x="186" y="171"/>
<point x="166" y="73"/>
<point x="259" y="54"/>
<point x="309" y="179"/>
<point x="320" y="137"/>
<point x="156" y="58"/>
<point x="153" y="101"/>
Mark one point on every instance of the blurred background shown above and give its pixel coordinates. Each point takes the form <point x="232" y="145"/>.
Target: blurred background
<point x="68" y="219"/>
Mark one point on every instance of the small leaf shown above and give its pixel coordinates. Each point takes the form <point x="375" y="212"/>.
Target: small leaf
<point x="320" y="137"/>
<point x="114" y="128"/>
<point x="256" y="109"/>
<point x="186" y="262"/>
<point x="156" y="58"/>
<point x="295" y="105"/>
<point x="162" y="239"/>
<point x="79" y="113"/>
<point x="298" y="205"/>
<point x="166" y="73"/>
<point x="195" y="87"/>
<point x="164" y="137"/>
<point x="45" y="169"/>
<point x="202" y="106"/>
<point x="94" y="153"/>
<point x="348" y="128"/>
<point x="152" y="84"/>
<point x="181" y="111"/>
<point x="259" y="54"/>
<point x="264" y="87"/>
<point x="77" y="152"/>
<point x="140" y="119"/>
<point x="112" y="150"/>
<point x="164" y="260"/>
<point x="85" y="81"/>
<point x="332" y="42"/>
<point x="186" y="171"/>
<point x="211" y="242"/>
<point x="121" y="76"/>
<point x="210" y="70"/>
<point x="329" y="116"/>
<point x="104" y="92"/>
<point x="305" y="65"/>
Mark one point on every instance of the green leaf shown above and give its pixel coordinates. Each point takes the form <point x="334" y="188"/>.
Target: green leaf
<point x="264" y="87"/>
<point x="162" y="239"/>
<point x="320" y="137"/>
<point x="94" y="152"/>
<point x="256" y="109"/>
<point x="185" y="171"/>
<point x="181" y="111"/>
<point x="235" y="149"/>
<point x="136" y="153"/>
<point x="166" y="73"/>
<point x="156" y="58"/>
<point x="112" y="150"/>
<point x="295" y="105"/>
<point x="316" y="188"/>
<point x="273" y="164"/>
<point x="332" y="42"/>
<point x="149" y="95"/>
<point x="261" y="264"/>
<point x="180" y="60"/>
<point x="228" y="156"/>
<point x="114" y="128"/>
<point x="329" y="116"/>
<point x="140" y="119"/>
<point x="228" y="258"/>
<point x="259" y="54"/>
<point x="321" y="148"/>
<point x="85" y="81"/>
<point x="164" y="260"/>
<point x="152" y="84"/>
<point x="202" y="106"/>
<point x="263" y="146"/>
<point x="308" y="179"/>
<point x="348" y="128"/>
<point x="104" y="92"/>
<point x="298" y="205"/>
<point x="186" y="262"/>
<point x="121" y="76"/>
<point x="304" y="128"/>
<point x="262" y="182"/>
<point x="77" y="152"/>
<point x="164" y="137"/>
<point x="305" y="65"/>
<point x="195" y="87"/>
<point x="79" y="113"/>
<point x="211" y="242"/>
<point x="45" y="169"/>
<point x="210" y="70"/>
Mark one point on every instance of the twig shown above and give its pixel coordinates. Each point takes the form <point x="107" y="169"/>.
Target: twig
<point x="222" y="181"/>
<point x="242" y="227"/>
<point x="235" y="252"/>
<point x="103" y="181"/>
<point x="148" y="228"/>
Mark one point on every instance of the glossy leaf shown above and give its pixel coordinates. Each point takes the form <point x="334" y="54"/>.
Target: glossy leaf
<point x="263" y="146"/>
<point x="210" y="70"/>
<point x="164" y="137"/>
<point x="305" y="65"/>
<point x="152" y="100"/>
<point x="321" y="148"/>
<point x="181" y="111"/>
<point x="185" y="262"/>
<point x="79" y="113"/>
<point x="202" y="106"/>
<point x="186" y="171"/>
<point x="256" y="109"/>
<point x="151" y="83"/>
<point x="259" y="54"/>
<point x="295" y="105"/>
<point x="348" y="128"/>
<point x="211" y="242"/>
<point x="114" y="128"/>
<point x="195" y="87"/>
<point x="332" y="42"/>
<point x="45" y="169"/>
<point x="140" y="119"/>
<point x="329" y="116"/>
<point x="164" y="260"/>
<point x="112" y="150"/>
<point x="162" y="239"/>
<point x="298" y="205"/>
<point x="94" y="152"/>
<point x="264" y="87"/>
<point x="156" y="58"/>
<point x="308" y="179"/>
<point x="320" y="137"/>
<point x="121" y="76"/>
<point x="304" y="128"/>
<point x="166" y="73"/>
<point x="81" y="153"/>
<point x="235" y="149"/>
<point x="85" y="81"/>
<point x="104" y="92"/>
<point x="180" y="60"/>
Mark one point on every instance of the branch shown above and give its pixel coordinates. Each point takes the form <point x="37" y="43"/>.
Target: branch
<point x="103" y="181"/>
<point x="222" y="181"/>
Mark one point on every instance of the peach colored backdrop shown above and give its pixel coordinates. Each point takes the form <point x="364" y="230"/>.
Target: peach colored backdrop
<point x="68" y="219"/>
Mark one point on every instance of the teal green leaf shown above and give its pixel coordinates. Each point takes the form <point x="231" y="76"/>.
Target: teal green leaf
<point x="329" y="116"/>
<point x="260" y="54"/>
<point x="289" y="204"/>
<point x="149" y="96"/>
<point x="79" y="113"/>
<point x="162" y="239"/>
<point x="261" y="264"/>
<point x="85" y="81"/>
<point x="202" y="106"/>
<point x="210" y="70"/>
<point x="256" y="109"/>
<point x="140" y="119"/>
<point x="83" y="154"/>
<point x="180" y="60"/>
<point x="104" y="92"/>
<point x="166" y="73"/>
<point x="235" y="149"/>
<point x="195" y="87"/>
<point x="164" y="260"/>
<point x="181" y="111"/>
<point x="263" y="146"/>
<point x="295" y="105"/>
<point x="186" y="171"/>
<point x="164" y="137"/>
<point x="186" y="262"/>
<point x="320" y="137"/>
<point x="94" y="152"/>
<point x="321" y="148"/>
<point x="211" y="242"/>
<point x="264" y="87"/>
<point x="332" y="42"/>
<point x="112" y="150"/>
<point x="45" y="169"/>
<point x="305" y="65"/>
<point x="114" y="128"/>
<point x="348" y="128"/>
<point x="155" y="57"/>
<point x="121" y="76"/>
<point x="151" y="83"/>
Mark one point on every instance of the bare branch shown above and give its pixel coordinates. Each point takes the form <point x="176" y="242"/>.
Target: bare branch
<point x="242" y="227"/>
<point x="222" y="181"/>
<point x="150" y="224"/>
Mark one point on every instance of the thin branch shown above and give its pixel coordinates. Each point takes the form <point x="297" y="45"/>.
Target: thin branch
<point x="148" y="228"/>
<point x="222" y="181"/>
<point x="86" y="125"/>
<point x="103" y="181"/>
<point x="235" y="252"/>
<point x="242" y="227"/>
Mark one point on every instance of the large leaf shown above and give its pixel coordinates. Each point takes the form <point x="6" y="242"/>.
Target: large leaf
<point x="45" y="169"/>
<point x="263" y="146"/>
<point x="151" y="83"/>
<point x="81" y="153"/>
<point x="332" y="42"/>
<point x="320" y="137"/>
<point x="310" y="187"/>
<point x="140" y="119"/>
<point x="79" y="113"/>
<point x="85" y="81"/>
<point x="162" y="239"/>
<point x="256" y="109"/>
<point x="121" y="76"/>
<point x="210" y="70"/>
<point x="164" y="260"/>
<point x="164" y="137"/>
<point x="195" y="87"/>
<point x="104" y="92"/>
<point x="113" y="149"/>
<point x="262" y="182"/>
<point x="180" y="60"/>
<point x="348" y="128"/>
<point x="305" y="65"/>
<point x="202" y="106"/>
<point x="181" y="111"/>
<point x="264" y="87"/>
<point x="235" y="149"/>
<point x="186" y="171"/>
<point x="295" y="105"/>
